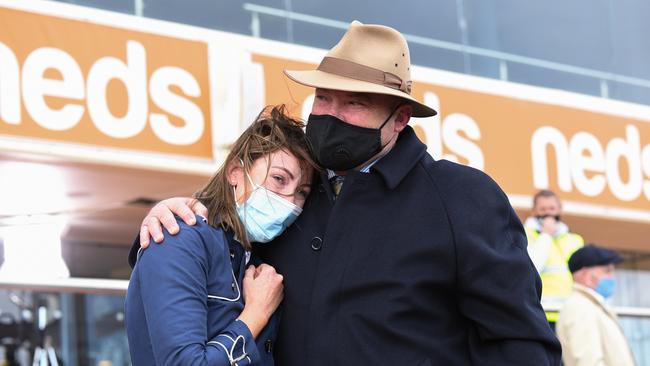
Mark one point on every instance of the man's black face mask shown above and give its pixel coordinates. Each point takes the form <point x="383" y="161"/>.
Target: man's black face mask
<point x="340" y="146"/>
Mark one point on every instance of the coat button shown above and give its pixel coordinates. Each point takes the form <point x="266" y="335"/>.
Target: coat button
<point x="316" y="243"/>
<point x="268" y="346"/>
<point x="232" y="254"/>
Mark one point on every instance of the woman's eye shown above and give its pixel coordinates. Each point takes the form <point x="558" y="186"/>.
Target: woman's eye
<point x="278" y="178"/>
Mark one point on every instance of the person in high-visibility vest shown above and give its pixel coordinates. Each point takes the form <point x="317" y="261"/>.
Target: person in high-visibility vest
<point x="550" y="245"/>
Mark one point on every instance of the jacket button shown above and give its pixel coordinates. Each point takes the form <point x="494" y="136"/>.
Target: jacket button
<point x="268" y="346"/>
<point x="316" y="243"/>
<point x="232" y="286"/>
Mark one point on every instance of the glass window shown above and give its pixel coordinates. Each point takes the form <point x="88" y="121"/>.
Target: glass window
<point x="632" y="278"/>
<point x="534" y="75"/>
<point x="76" y="328"/>
<point x="122" y="6"/>
<point x="637" y="332"/>
<point x="228" y="16"/>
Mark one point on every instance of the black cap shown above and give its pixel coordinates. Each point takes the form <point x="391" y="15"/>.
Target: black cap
<point x="592" y="255"/>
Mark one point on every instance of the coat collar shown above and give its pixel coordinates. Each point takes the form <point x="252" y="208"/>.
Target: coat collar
<point x="594" y="297"/>
<point x="408" y="150"/>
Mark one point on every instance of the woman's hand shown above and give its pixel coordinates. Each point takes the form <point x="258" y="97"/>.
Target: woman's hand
<point x="163" y="213"/>
<point x="263" y="293"/>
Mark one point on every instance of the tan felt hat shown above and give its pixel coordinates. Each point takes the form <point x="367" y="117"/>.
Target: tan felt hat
<point x="368" y="59"/>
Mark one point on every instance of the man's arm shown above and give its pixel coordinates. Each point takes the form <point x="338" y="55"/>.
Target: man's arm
<point x="162" y="215"/>
<point x="498" y="288"/>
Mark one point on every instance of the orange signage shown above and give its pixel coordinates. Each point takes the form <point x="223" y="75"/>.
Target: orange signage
<point x="524" y="145"/>
<point x="84" y="83"/>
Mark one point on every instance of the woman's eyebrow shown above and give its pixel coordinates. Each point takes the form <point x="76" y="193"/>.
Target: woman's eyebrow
<point x="285" y="169"/>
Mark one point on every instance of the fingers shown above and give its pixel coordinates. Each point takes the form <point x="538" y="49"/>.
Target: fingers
<point x="184" y="210"/>
<point x="250" y="273"/>
<point x="144" y="236"/>
<point x="155" y="230"/>
<point x="265" y="268"/>
<point x="199" y="209"/>
<point x="167" y="219"/>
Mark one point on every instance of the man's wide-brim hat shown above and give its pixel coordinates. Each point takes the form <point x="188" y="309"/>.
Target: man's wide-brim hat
<point x="368" y="59"/>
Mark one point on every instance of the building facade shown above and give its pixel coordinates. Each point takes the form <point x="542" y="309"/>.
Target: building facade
<point x="109" y="106"/>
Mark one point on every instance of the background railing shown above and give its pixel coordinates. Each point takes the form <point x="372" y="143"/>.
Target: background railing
<point x="503" y="58"/>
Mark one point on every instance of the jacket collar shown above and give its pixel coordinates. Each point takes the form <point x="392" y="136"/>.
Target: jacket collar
<point x="395" y="165"/>
<point x="591" y="294"/>
<point x="594" y="297"/>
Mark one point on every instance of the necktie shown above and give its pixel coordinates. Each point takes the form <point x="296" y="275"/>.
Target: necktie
<point x="337" y="183"/>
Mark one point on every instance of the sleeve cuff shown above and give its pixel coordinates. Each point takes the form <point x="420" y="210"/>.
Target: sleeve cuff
<point x="238" y="344"/>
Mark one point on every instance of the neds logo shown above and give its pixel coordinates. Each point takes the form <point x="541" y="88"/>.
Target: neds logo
<point x="622" y="164"/>
<point x="30" y="85"/>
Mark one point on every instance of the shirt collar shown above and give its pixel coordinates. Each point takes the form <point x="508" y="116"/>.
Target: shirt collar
<point x="366" y="169"/>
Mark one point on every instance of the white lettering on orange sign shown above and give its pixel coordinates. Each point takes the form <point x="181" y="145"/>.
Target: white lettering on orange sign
<point x="132" y="73"/>
<point x="449" y="133"/>
<point x="584" y="156"/>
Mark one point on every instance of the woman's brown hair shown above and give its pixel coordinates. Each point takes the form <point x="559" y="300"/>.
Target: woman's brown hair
<point x="272" y="130"/>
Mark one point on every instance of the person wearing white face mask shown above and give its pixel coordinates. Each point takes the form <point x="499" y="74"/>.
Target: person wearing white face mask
<point x="587" y="328"/>
<point x="193" y="300"/>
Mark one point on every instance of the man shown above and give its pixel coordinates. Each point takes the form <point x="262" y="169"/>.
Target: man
<point x="550" y="245"/>
<point x="587" y="327"/>
<point x="409" y="261"/>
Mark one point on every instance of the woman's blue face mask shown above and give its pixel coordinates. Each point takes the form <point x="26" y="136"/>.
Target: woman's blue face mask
<point x="266" y="214"/>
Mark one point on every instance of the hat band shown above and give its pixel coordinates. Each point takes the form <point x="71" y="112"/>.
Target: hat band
<point x="360" y="72"/>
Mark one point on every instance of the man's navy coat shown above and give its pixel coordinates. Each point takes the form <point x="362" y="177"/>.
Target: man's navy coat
<point x="418" y="262"/>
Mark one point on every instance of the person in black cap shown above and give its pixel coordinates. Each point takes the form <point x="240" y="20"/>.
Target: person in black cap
<point x="587" y="328"/>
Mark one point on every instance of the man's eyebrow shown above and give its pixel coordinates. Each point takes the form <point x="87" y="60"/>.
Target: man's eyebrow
<point x="358" y="95"/>
<point x="285" y="169"/>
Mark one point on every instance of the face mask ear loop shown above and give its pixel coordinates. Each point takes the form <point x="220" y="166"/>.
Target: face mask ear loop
<point x="234" y="193"/>
<point x="389" y="116"/>
<point x="253" y="185"/>
<point x="386" y="121"/>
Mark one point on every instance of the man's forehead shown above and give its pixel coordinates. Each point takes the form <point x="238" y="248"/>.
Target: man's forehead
<point x="351" y="94"/>
<point x="547" y="200"/>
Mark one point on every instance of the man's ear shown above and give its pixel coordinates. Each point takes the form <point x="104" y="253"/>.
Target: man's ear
<point x="235" y="172"/>
<point x="402" y="117"/>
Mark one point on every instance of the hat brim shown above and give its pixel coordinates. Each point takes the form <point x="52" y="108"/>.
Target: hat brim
<point x="325" y="80"/>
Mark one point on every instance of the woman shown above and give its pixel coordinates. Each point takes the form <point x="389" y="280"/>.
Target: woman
<point x="185" y="302"/>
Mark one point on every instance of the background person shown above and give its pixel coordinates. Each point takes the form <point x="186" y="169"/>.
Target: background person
<point x="550" y="245"/>
<point x="192" y="300"/>
<point x="398" y="259"/>
<point x="588" y="329"/>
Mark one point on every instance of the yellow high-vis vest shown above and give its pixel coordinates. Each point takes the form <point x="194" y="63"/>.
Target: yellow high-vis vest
<point x="556" y="277"/>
